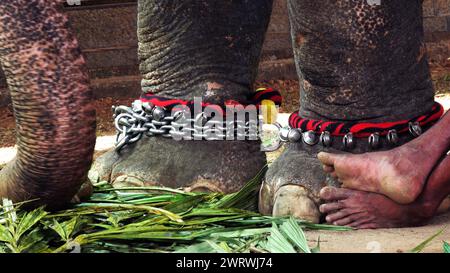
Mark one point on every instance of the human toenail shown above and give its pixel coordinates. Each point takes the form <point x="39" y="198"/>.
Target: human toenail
<point x="322" y="208"/>
<point x="325" y="193"/>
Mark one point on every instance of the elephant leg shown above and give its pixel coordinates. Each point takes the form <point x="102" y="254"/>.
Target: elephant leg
<point x="187" y="49"/>
<point x="356" y="62"/>
<point x="55" y="119"/>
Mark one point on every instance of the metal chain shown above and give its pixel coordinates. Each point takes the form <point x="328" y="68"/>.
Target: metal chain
<point x="143" y="118"/>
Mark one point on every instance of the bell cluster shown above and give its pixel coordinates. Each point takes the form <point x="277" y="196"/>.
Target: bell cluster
<point x="311" y="138"/>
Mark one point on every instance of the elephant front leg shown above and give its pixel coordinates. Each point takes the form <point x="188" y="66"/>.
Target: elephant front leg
<point x="187" y="49"/>
<point x="357" y="63"/>
<point x="55" y="119"/>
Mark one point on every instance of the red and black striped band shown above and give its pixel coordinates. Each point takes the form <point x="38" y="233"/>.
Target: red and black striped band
<point x="255" y="99"/>
<point x="364" y="129"/>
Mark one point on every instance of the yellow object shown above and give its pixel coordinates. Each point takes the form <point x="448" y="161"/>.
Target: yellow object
<point x="269" y="111"/>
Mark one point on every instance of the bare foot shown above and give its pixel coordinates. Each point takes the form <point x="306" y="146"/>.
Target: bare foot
<point x="400" y="174"/>
<point x="365" y="210"/>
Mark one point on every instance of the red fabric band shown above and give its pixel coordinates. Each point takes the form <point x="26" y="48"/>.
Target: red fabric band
<point x="364" y="129"/>
<point x="255" y="99"/>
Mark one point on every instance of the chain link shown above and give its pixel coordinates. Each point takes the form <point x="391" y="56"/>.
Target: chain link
<point x="143" y="118"/>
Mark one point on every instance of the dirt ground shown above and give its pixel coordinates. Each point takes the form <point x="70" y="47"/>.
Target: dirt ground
<point x="386" y="240"/>
<point x="383" y="240"/>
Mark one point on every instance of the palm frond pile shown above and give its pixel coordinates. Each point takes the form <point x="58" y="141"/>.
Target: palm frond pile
<point x="154" y="219"/>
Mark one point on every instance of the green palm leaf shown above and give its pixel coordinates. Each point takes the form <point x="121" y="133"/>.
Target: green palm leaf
<point x="295" y="235"/>
<point x="446" y="247"/>
<point x="277" y="243"/>
<point x="425" y="243"/>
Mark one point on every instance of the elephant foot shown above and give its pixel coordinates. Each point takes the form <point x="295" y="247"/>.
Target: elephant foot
<point x="83" y="194"/>
<point x="207" y="166"/>
<point x="292" y="185"/>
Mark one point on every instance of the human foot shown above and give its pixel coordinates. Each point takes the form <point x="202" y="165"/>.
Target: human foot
<point x="400" y="174"/>
<point x="367" y="210"/>
<point x="364" y="210"/>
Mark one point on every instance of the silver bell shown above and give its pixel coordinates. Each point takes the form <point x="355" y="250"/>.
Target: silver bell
<point x="294" y="135"/>
<point x="348" y="141"/>
<point x="310" y="138"/>
<point x="284" y="134"/>
<point x="415" y="129"/>
<point x="392" y="137"/>
<point x="158" y="113"/>
<point x="374" y="140"/>
<point x="325" y="139"/>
